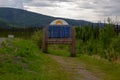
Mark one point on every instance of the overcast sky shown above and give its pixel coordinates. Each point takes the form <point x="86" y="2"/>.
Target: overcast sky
<point x="90" y="10"/>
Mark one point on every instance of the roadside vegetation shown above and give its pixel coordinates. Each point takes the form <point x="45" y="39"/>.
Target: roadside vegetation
<point x="22" y="60"/>
<point x="103" y="42"/>
<point x="98" y="48"/>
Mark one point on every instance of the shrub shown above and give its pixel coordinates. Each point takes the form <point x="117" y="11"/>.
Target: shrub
<point x="37" y="38"/>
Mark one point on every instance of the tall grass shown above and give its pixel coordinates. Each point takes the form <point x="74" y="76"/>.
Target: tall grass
<point x="91" y="40"/>
<point x="37" y="38"/>
<point x="22" y="60"/>
<point x="98" y="41"/>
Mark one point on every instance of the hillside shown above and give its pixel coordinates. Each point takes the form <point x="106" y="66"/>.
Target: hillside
<point x="4" y="24"/>
<point x="23" y="18"/>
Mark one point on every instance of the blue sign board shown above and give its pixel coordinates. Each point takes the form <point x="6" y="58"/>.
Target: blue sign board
<point x="59" y="31"/>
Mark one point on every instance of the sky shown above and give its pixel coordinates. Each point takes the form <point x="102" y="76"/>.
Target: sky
<point x="89" y="10"/>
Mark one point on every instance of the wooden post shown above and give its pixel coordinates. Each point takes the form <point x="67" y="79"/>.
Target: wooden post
<point x="44" y="42"/>
<point x="73" y="54"/>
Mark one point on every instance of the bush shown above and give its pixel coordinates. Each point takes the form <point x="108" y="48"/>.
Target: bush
<point x="37" y="38"/>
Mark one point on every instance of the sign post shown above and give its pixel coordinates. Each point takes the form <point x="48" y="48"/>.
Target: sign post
<point x="59" y="32"/>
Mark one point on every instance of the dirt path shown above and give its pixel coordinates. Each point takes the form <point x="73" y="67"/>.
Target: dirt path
<point x="74" y="67"/>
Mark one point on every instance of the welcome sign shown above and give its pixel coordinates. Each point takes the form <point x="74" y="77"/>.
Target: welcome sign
<point x="59" y="32"/>
<point x="59" y="29"/>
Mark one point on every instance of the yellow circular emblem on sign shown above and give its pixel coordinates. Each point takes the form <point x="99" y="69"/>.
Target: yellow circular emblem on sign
<point x="59" y="22"/>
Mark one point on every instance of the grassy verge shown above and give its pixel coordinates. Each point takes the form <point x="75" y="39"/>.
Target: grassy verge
<point x="103" y="68"/>
<point x="61" y="50"/>
<point x="22" y="60"/>
<point x="108" y="70"/>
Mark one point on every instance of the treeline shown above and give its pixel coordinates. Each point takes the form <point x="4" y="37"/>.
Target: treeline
<point x="18" y="32"/>
<point x="97" y="41"/>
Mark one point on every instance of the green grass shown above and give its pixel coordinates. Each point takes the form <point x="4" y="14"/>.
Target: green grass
<point x="108" y="70"/>
<point x="102" y="68"/>
<point x="61" y="50"/>
<point x="22" y="60"/>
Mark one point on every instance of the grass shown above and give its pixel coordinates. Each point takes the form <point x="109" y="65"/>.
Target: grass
<point x="22" y="60"/>
<point x="61" y="50"/>
<point x="108" y="70"/>
<point x="102" y="68"/>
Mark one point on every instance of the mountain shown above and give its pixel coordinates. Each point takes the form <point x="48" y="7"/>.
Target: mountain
<point x="4" y="24"/>
<point x="22" y="18"/>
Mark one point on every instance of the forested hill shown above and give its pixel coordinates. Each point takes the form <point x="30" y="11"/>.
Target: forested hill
<point x="11" y="17"/>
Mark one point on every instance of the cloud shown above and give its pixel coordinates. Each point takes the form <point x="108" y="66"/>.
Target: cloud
<point x="41" y="4"/>
<point x="60" y="0"/>
<point x="91" y="10"/>
<point x="11" y="3"/>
